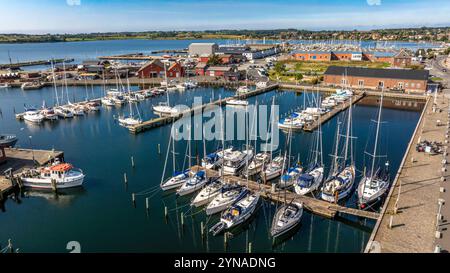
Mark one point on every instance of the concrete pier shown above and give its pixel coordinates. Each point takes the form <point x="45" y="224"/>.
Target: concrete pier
<point x="408" y="218"/>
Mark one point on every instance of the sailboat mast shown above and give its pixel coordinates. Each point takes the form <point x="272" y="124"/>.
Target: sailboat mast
<point x="335" y="160"/>
<point x="347" y="139"/>
<point x="376" y="134"/>
<point x="54" y="84"/>
<point x="173" y="150"/>
<point x="271" y="127"/>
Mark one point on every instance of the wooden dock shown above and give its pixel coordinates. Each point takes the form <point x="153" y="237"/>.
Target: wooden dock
<point x="19" y="159"/>
<point x="336" y="110"/>
<point x="316" y="206"/>
<point x="160" y="121"/>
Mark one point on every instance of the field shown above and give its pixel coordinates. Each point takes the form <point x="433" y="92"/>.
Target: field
<point x="311" y="70"/>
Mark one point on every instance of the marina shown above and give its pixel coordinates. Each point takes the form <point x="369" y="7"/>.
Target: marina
<point x="121" y="149"/>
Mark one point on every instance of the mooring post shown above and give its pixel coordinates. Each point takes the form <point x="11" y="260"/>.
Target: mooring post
<point x="165" y="212"/>
<point x="182" y="219"/>
<point x="147" y="204"/>
<point x="133" y="199"/>
<point x="132" y="161"/>
<point x="390" y="222"/>
<point x="250" y="247"/>
<point x="125" y="178"/>
<point x="201" y="228"/>
<point x="159" y="148"/>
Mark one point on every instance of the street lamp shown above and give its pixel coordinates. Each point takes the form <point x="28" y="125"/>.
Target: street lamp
<point x="32" y="151"/>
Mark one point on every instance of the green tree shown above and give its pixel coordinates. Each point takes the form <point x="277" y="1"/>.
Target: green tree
<point x="214" y="60"/>
<point x="298" y="77"/>
<point x="279" y="68"/>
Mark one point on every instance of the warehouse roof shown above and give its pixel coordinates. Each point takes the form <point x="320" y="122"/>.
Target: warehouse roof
<point x="379" y="73"/>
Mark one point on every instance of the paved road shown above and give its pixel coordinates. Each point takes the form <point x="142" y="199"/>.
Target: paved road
<point x="443" y="224"/>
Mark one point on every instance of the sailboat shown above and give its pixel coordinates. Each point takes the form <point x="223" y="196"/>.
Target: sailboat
<point x="208" y="193"/>
<point x="48" y="112"/>
<point x="178" y="178"/>
<point x="193" y="184"/>
<point x="375" y="184"/>
<point x="312" y="178"/>
<point x="59" y="110"/>
<point x="76" y="110"/>
<point x="293" y="172"/>
<point x="340" y="184"/>
<point x="287" y="217"/>
<point x="240" y="211"/>
<point x="163" y="108"/>
<point x="132" y="119"/>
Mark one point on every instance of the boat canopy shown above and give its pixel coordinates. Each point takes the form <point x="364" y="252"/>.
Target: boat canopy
<point x="200" y="174"/>
<point x="63" y="167"/>
<point x="305" y="180"/>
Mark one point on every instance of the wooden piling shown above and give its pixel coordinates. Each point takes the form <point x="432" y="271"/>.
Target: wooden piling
<point x="125" y="178"/>
<point x="147" y="206"/>
<point x="132" y="161"/>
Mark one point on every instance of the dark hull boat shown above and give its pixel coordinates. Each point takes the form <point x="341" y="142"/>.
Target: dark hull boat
<point x="286" y="218"/>
<point x="8" y="141"/>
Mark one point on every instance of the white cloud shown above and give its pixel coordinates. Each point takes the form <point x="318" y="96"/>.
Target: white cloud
<point x="374" y="2"/>
<point x="73" y="2"/>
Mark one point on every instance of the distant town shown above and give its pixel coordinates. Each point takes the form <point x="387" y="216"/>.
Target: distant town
<point x="435" y="34"/>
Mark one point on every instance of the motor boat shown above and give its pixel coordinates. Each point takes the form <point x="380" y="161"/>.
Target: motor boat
<point x="49" y="114"/>
<point x="309" y="181"/>
<point x="7" y="141"/>
<point x="32" y="85"/>
<point x="193" y="184"/>
<point x="108" y="101"/>
<point x="119" y="100"/>
<point x="286" y="218"/>
<point x="32" y="115"/>
<point x="207" y="194"/>
<point x="243" y="89"/>
<point x="235" y="160"/>
<point x="237" y="214"/>
<point x="257" y="164"/>
<point x="180" y="87"/>
<point x="235" y="102"/>
<point x="275" y="168"/>
<point x="339" y="186"/>
<point x="57" y="176"/>
<point x="294" y="121"/>
<point x="176" y="181"/>
<point x="62" y="112"/>
<point x="228" y="195"/>
<point x="261" y="84"/>
<point x="4" y="85"/>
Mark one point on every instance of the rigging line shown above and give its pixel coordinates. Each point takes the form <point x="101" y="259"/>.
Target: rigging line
<point x="177" y="208"/>
<point x="145" y="192"/>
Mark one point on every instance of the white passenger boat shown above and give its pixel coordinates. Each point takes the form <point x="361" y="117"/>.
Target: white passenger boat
<point x="286" y="218"/>
<point x="207" y="194"/>
<point x="57" y="176"/>
<point x="237" y="214"/>
<point x="193" y="184"/>
<point x="4" y="85"/>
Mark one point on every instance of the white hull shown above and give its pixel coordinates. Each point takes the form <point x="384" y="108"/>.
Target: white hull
<point x="318" y="177"/>
<point x="40" y="183"/>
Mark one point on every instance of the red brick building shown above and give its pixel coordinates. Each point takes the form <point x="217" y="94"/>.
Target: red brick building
<point x="402" y="59"/>
<point x="175" y="70"/>
<point x="312" y="56"/>
<point x="369" y="78"/>
<point x="200" y="69"/>
<point x="225" y="58"/>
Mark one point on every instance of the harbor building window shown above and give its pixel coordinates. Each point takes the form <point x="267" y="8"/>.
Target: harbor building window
<point x="361" y="83"/>
<point x="400" y="85"/>
<point x="380" y="84"/>
<point x="413" y="85"/>
<point x="344" y="82"/>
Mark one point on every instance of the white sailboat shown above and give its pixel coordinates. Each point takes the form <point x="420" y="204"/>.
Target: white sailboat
<point x="131" y="120"/>
<point x="340" y="185"/>
<point x="163" y="108"/>
<point x="375" y="184"/>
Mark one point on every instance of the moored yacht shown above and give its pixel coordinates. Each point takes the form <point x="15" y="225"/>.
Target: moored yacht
<point x="234" y="161"/>
<point x="176" y="180"/>
<point x="207" y="194"/>
<point x="193" y="184"/>
<point x="228" y="195"/>
<point x="309" y="181"/>
<point x="32" y="115"/>
<point x="286" y="218"/>
<point x="237" y="214"/>
<point x="340" y="186"/>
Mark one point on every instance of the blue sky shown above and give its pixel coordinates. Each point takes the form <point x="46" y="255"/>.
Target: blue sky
<point x="74" y="16"/>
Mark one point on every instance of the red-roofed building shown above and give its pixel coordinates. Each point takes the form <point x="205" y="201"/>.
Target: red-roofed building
<point x="152" y="69"/>
<point x="175" y="70"/>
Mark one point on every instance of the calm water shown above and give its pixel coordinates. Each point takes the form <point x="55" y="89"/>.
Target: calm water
<point x="92" y="49"/>
<point x="101" y="215"/>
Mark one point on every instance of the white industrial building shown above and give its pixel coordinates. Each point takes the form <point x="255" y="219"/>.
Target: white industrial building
<point x="202" y="49"/>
